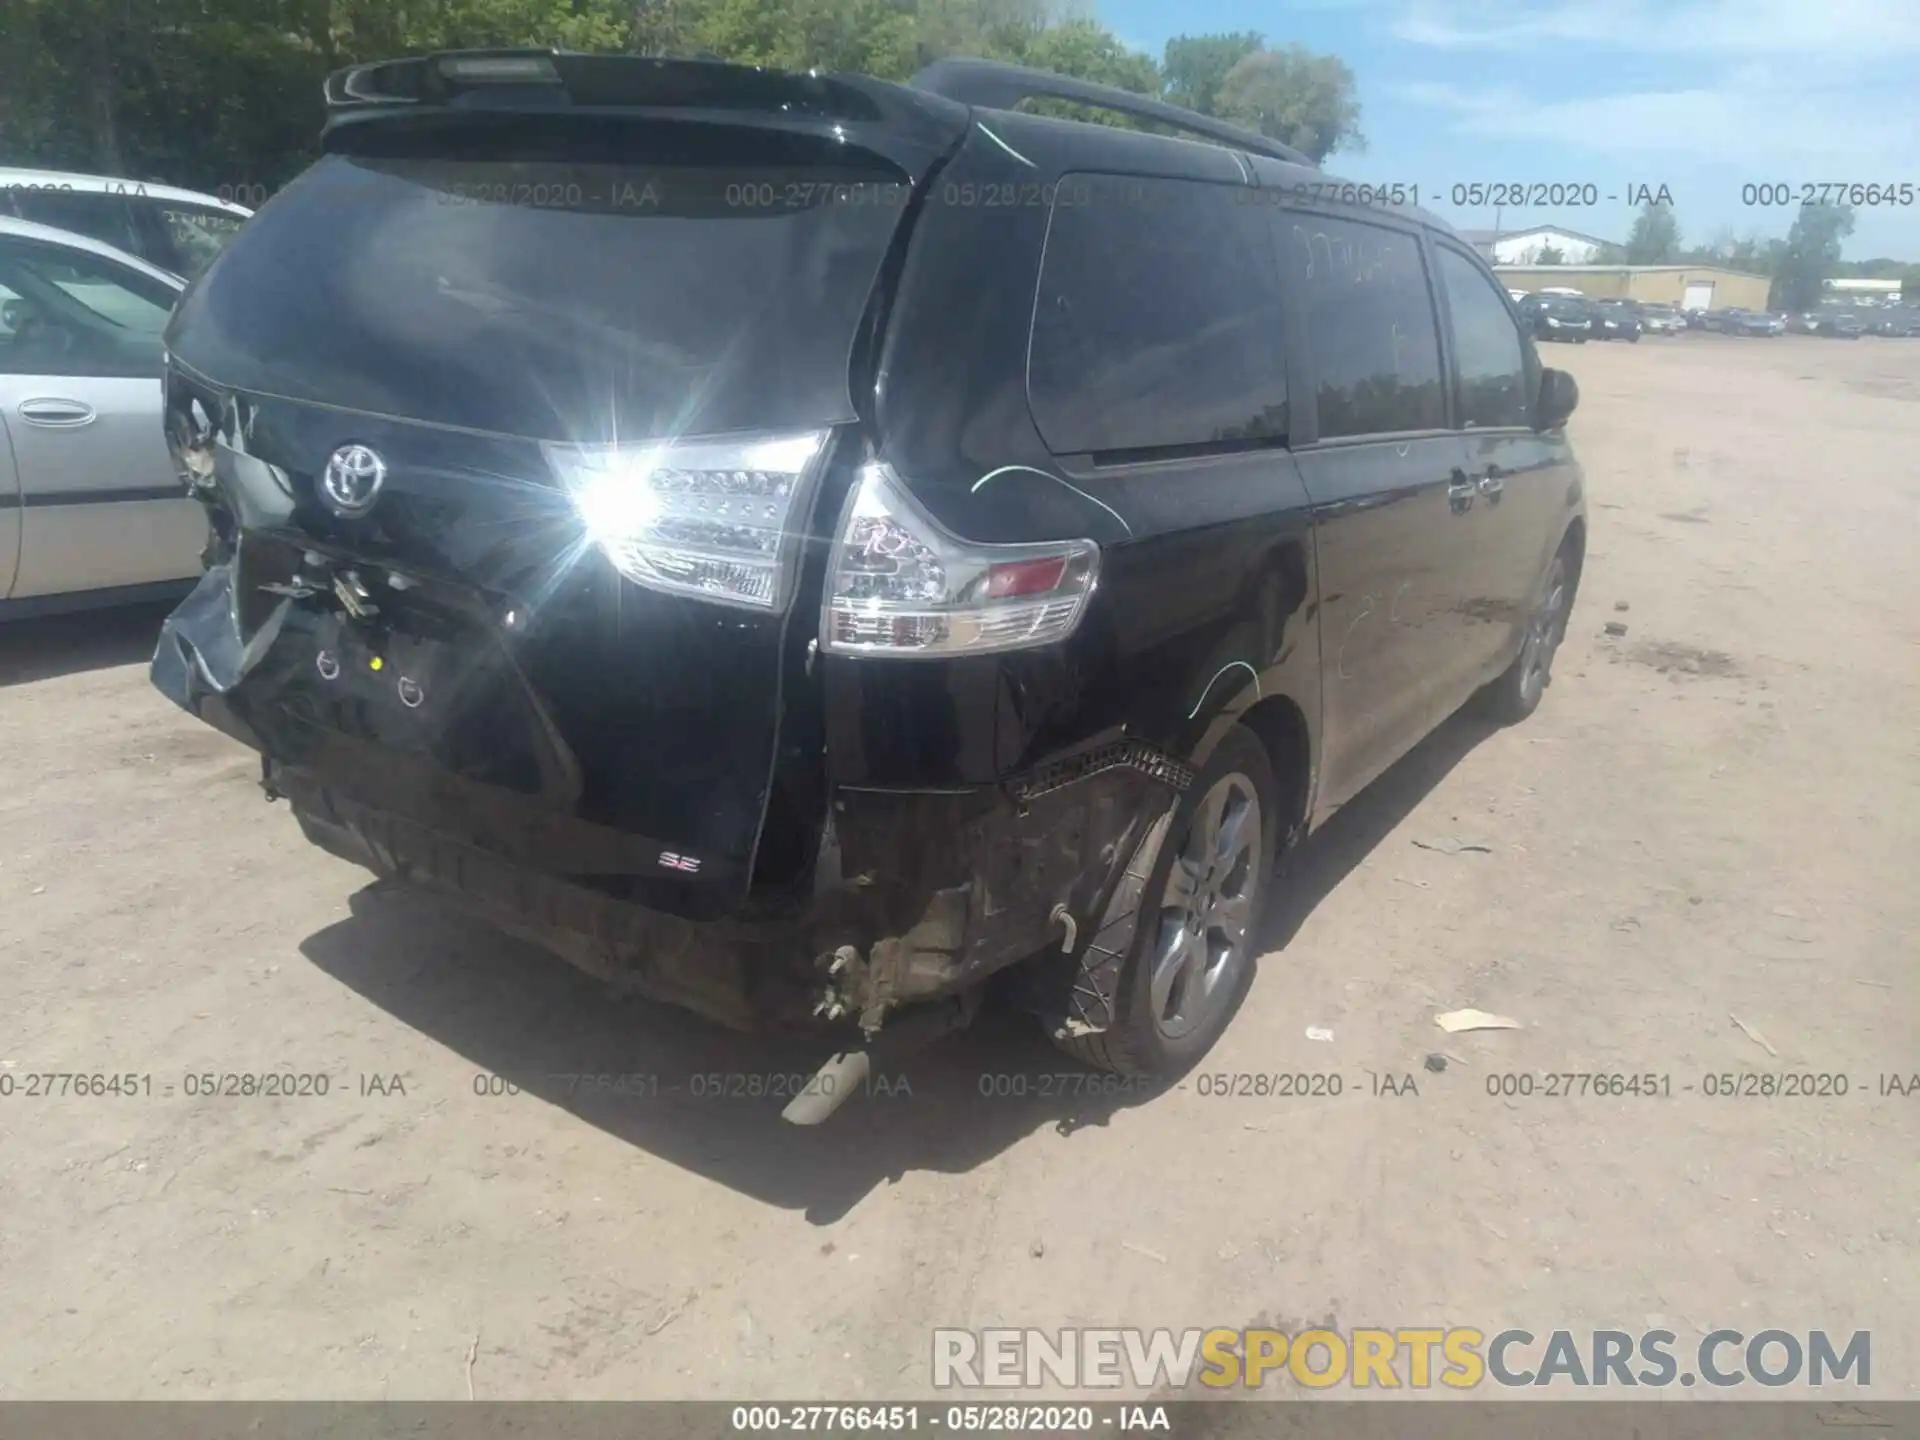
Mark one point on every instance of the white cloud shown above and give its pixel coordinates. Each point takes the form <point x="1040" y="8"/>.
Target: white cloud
<point x="1709" y="93"/>
<point x="1792" y="30"/>
<point x="1775" y="131"/>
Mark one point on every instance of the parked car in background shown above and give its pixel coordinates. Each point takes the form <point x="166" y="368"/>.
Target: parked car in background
<point x="1558" y="317"/>
<point x="819" y="672"/>
<point x="1658" y="318"/>
<point x="178" y="230"/>
<point x="1827" y="322"/>
<point x="1616" y="320"/>
<point x="1897" y="321"/>
<point x="91" y="510"/>
<point x="1738" y="320"/>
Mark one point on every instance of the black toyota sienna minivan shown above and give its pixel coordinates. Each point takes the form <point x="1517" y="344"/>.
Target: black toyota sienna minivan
<point x="797" y="545"/>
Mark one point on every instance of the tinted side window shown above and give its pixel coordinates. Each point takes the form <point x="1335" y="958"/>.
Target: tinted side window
<point x="97" y="215"/>
<point x="1158" y="321"/>
<point x="65" y="312"/>
<point x="1370" y="324"/>
<point x="1486" y="346"/>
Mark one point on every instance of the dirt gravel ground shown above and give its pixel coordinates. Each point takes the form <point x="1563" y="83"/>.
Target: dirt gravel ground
<point x="1713" y="815"/>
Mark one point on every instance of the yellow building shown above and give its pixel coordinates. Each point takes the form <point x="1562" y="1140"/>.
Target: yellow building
<point x="1693" y="287"/>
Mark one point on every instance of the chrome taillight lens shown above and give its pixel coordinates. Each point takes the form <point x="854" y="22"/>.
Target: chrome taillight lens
<point x="900" y="584"/>
<point x="716" y="518"/>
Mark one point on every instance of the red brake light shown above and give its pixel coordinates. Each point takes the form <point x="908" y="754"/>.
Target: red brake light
<point x="1025" y="577"/>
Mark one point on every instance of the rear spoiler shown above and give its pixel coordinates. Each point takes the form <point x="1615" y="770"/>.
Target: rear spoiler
<point x="466" y="81"/>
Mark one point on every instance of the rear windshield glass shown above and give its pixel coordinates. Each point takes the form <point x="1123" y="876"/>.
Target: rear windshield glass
<point x="581" y="298"/>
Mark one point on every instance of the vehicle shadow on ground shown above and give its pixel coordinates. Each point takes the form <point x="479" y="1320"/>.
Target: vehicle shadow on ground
<point x="1350" y="834"/>
<point x="565" y="1039"/>
<point x="49" y="646"/>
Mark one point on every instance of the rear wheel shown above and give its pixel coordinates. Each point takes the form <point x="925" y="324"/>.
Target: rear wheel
<point x="1516" y="694"/>
<point x="1198" y="925"/>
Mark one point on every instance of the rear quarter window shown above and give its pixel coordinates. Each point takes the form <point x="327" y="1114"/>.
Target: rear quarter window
<point x="1158" y="319"/>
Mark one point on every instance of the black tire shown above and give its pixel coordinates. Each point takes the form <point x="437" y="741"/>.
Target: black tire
<point x="1634" y="339"/>
<point x="1518" y="692"/>
<point x="1139" y="1041"/>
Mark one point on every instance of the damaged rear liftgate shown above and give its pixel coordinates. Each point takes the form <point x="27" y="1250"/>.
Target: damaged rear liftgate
<point x="487" y="644"/>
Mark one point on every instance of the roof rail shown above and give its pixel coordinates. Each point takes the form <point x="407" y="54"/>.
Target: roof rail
<point x="999" y="86"/>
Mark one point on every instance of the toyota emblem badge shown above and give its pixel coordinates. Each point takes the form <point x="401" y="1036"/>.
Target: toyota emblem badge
<point x="352" y="480"/>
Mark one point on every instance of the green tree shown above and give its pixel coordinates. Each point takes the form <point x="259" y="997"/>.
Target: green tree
<point x="1087" y="50"/>
<point x="1749" y="253"/>
<point x="225" y="94"/>
<point x="1810" y="255"/>
<point x="1549" y="255"/>
<point x="1079" y="48"/>
<point x="1655" y="237"/>
<point x="1296" y="97"/>
<point x="1194" y="67"/>
<point x="997" y="29"/>
<point x="208" y="93"/>
<point x="874" y="36"/>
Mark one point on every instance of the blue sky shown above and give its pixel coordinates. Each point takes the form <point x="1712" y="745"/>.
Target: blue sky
<point x="1702" y="95"/>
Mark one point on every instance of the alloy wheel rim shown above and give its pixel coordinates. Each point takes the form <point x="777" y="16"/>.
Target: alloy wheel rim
<point x="1207" y="909"/>
<point x="1543" y="639"/>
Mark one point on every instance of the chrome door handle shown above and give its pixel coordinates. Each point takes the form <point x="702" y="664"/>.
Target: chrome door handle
<point x="62" y="414"/>
<point x="1460" y="493"/>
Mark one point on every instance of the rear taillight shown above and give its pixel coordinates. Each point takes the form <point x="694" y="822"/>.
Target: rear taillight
<point x="712" y="517"/>
<point x="898" y="583"/>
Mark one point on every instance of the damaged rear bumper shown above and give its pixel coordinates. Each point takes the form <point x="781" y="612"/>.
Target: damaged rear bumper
<point x="937" y="893"/>
<point x="914" y="897"/>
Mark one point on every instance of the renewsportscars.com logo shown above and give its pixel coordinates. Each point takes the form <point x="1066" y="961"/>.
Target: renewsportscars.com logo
<point x="1416" y="1358"/>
